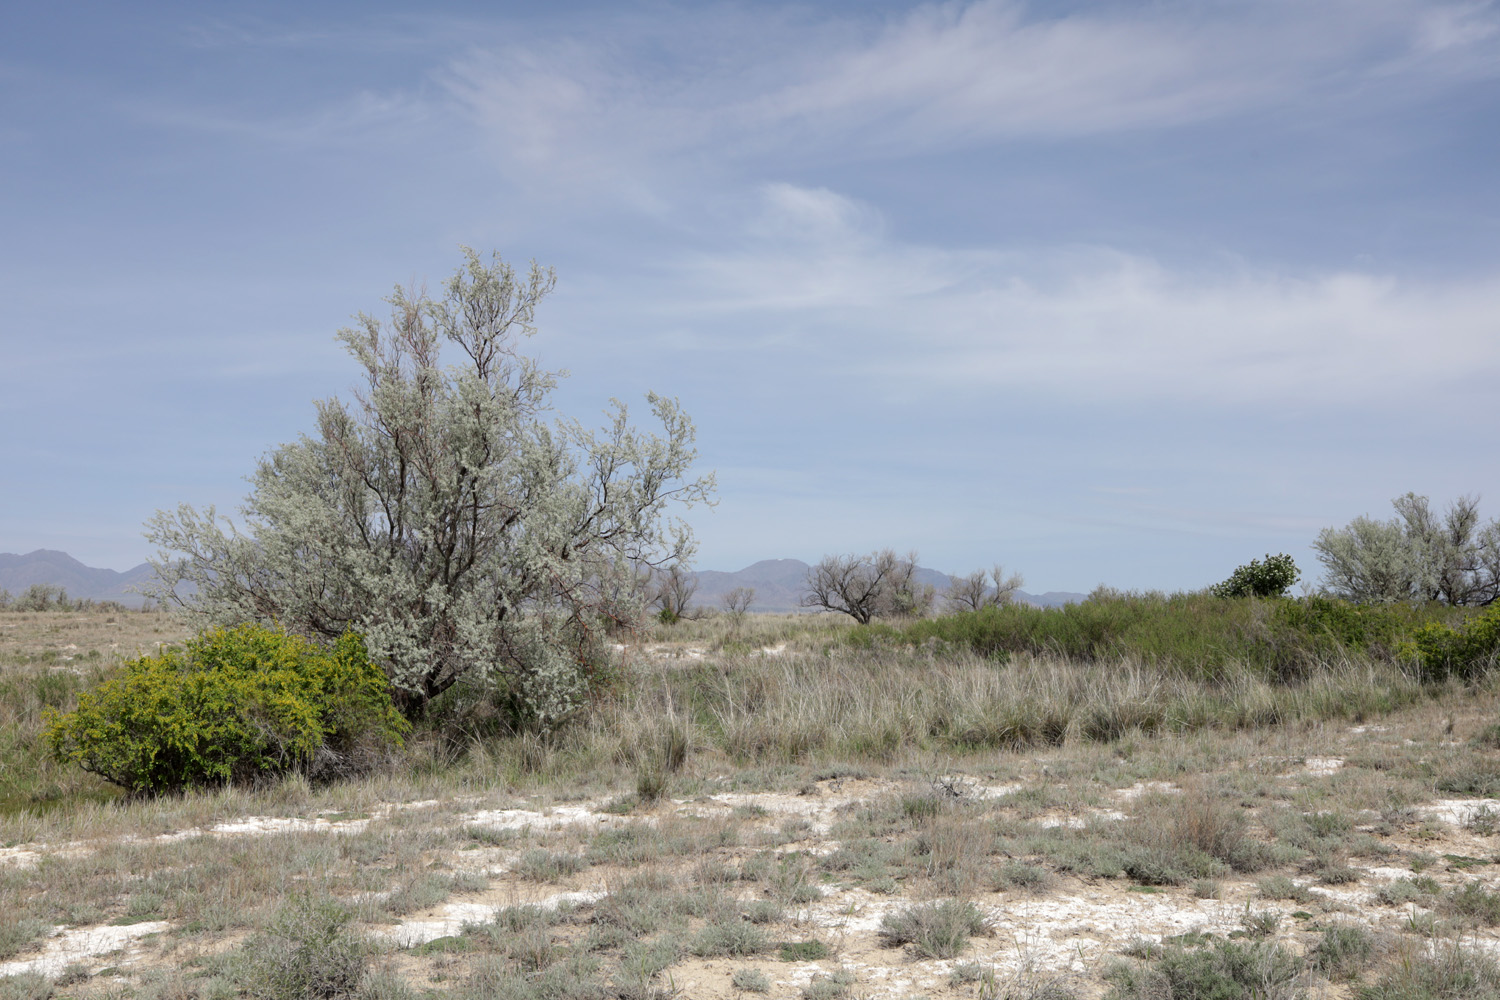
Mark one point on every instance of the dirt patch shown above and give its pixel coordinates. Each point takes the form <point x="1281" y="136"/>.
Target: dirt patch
<point x="72" y="946"/>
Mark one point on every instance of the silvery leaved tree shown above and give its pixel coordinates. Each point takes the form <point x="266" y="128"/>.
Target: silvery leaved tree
<point x="445" y="514"/>
<point x="1415" y="556"/>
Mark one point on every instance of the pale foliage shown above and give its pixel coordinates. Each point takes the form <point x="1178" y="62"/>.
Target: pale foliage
<point x="975" y="591"/>
<point x="1415" y="556"/>
<point x="443" y="514"/>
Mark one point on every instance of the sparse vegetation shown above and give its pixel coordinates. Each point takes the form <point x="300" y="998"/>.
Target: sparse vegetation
<point x="574" y="884"/>
<point x="879" y="585"/>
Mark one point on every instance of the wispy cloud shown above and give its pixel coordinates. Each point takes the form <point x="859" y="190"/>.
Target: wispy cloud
<point x="947" y="76"/>
<point x="1086" y="324"/>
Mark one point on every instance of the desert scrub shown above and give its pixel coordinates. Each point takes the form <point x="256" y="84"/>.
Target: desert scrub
<point x="1447" y="971"/>
<point x="236" y="705"/>
<point x="309" y="950"/>
<point x="1211" y="970"/>
<point x="751" y="980"/>
<point x="934" y="930"/>
<point x="1343" y="952"/>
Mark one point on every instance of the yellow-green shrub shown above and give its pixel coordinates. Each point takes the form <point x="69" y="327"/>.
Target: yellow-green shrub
<point x="237" y="704"/>
<point x="1466" y="651"/>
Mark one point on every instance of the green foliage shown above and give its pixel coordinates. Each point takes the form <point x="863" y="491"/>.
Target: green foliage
<point x="1198" y="635"/>
<point x="236" y="705"/>
<point x="1271" y="578"/>
<point x="445" y="514"/>
<point x="1337" y="625"/>
<point x="811" y="950"/>
<point x="1463" y="651"/>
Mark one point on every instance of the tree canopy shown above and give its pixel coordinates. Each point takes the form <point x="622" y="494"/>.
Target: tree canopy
<point x="1415" y="556"/>
<point x="444" y="514"/>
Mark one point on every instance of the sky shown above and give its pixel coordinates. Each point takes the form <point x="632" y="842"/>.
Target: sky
<point x="1113" y="292"/>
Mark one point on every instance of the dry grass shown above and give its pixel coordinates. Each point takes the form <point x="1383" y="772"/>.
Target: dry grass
<point x="817" y="795"/>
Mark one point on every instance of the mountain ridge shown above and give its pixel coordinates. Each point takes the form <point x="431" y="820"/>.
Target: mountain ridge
<point x="58" y="569"/>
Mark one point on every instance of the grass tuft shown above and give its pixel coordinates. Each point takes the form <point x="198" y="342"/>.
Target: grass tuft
<point x="934" y="930"/>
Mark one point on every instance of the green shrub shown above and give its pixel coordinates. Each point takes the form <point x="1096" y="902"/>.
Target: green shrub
<point x="1259" y="579"/>
<point x="1197" y="635"/>
<point x="811" y="950"/>
<point x="1463" y="651"/>
<point x="236" y="705"/>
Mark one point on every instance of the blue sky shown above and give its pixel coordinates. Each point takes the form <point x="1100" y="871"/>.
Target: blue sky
<point x="1108" y="292"/>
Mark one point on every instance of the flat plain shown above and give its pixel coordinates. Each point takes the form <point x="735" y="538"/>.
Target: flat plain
<point x="765" y="810"/>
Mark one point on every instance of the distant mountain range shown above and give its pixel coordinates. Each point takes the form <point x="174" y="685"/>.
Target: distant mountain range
<point x="58" y="569"/>
<point x="778" y="583"/>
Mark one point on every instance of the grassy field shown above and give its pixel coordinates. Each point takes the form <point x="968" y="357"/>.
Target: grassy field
<point x="1132" y="800"/>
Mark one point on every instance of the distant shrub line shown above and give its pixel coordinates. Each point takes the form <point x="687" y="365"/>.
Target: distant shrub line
<point x="42" y="597"/>
<point x="1202" y="635"/>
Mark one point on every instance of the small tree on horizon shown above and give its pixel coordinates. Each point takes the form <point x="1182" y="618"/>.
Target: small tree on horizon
<point x="444" y="515"/>
<point x="975" y="591"/>
<point x="737" y="603"/>
<point x="879" y="585"/>
<point x="673" y="592"/>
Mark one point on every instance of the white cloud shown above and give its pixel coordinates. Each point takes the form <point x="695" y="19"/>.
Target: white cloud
<point x="1081" y="323"/>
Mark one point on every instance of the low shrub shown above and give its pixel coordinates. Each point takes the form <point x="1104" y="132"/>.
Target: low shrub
<point x="751" y="980"/>
<point x="1344" y="951"/>
<point x="729" y="936"/>
<point x="310" y="950"/>
<point x="1465" y="650"/>
<point x="236" y="705"/>
<point x="934" y="930"/>
<point x="1219" y="970"/>
<point x="1444" y="972"/>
